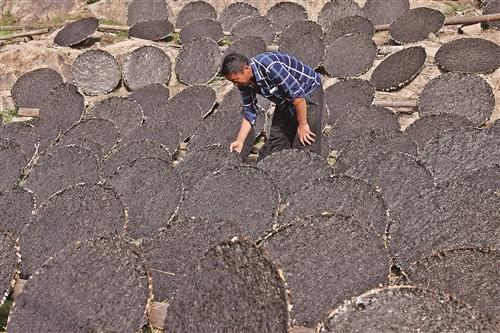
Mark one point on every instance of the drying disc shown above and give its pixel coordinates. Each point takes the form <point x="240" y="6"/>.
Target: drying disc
<point x="230" y="279"/>
<point x="152" y="98"/>
<point x="33" y="87"/>
<point x="354" y="121"/>
<point x="140" y="11"/>
<point x="416" y="24"/>
<point x="76" y="32"/>
<point x="493" y="7"/>
<point x="409" y="309"/>
<point x="151" y="30"/>
<point x="339" y="194"/>
<point x="204" y="161"/>
<point x="244" y="194"/>
<point x="152" y="191"/>
<point x="334" y="10"/>
<point x="466" y="95"/>
<point x="101" y="284"/>
<point x="373" y="142"/>
<point x="311" y="48"/>
<point x="385" y="12"/>
<point x="172" y="251"/>
<point x="249" y="46"/>
<point x="469" y="55"/>
<point x="460" y="215"/>
<point x="198" y="62"/>
<point x="188" y="107"/>
<point x="161" y="132"/>
<point x="487" y="177"/>
<point x="126" y="153"/>
<point x="235" y="12"/>
<point x="399" y="68"/>
<point x="425" y="128"/>
<point x="16" y="206"/>
<point x="23" y="134"/>
<point x="96" y="72"/>
<point x="346" y="95"/>
<point x="350" y="55"/>
<point x="125" y="113"/>
<point x="61" y="167"/>
<point x="13" y="163"/>
<point x="460" y="151"/>
<point x="146" y="65"/>
<point x="302" y="166"/>
<point x="10" y="260"/>
<point x="399" y="177"/>
<point x="78" y="212"/>
<point x="349" y="25"/>
<point x="195" y="10"/>
<point x="62" y="108"/>
<point x="255" y="26"/>
<point x="316" y="253"/>
<point x="99" y="130"/>
<point x="470" y="275"/>
<point x="285" y="13"/>
<point x="201" y="28"/>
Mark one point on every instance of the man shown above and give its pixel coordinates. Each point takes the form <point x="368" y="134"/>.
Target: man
<point x="294" y="87"/>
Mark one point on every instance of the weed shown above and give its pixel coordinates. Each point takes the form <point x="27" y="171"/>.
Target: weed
<point x="108" y="22"/>
<point x="8" y="19"/>
<point x="8" y="114"/>
<point x="457" y="8"/>
<point x="225" y="41"/>
<point x="4" y="314"/>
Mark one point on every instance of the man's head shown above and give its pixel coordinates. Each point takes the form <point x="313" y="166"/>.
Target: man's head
<point x="236" y="68"/>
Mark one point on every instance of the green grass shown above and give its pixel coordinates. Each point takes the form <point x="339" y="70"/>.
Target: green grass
<point x="175" y="38"/>
<point x="8" y="114"/>
<point x="4" y="314"/>
<point x="5" y="32"/>
<point x="108" y="22"/>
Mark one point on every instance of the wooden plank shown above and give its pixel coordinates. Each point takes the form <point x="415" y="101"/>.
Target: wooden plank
<point x="397" y="104"/>
<point x="18" y="288"/>
<point x="157" y="314"/>
<point x="455" y="20"/>
<point x="25" y="34"/>
<point x="28" y="112"/>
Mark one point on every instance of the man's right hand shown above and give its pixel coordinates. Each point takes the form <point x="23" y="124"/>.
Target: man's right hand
<point x="236" y="146"/>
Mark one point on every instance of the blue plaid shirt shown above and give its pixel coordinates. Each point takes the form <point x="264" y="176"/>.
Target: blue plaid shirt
<point x="280" y="78"/>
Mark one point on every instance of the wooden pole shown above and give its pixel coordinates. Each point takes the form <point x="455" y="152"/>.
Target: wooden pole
<point x="455" y="20"/>
<point x="27" y="112"/>
<point x="25" y="34"/>
<point x="397" y="104"/>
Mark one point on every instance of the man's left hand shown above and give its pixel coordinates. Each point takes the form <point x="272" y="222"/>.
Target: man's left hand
<point x="306" y="137"/>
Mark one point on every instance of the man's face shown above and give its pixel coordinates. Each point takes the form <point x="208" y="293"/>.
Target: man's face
<point x="241" y="79"/>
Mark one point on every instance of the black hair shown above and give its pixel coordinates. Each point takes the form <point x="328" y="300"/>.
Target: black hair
<point x="233" y="63"/>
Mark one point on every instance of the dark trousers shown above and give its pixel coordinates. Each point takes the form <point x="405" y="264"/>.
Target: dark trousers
<point x="284" y="126"/>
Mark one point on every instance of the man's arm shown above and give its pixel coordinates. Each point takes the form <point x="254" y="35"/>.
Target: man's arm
<point x="249" y="114"/>
<point x="306" y="136"/>
<point x="245" y="128"/>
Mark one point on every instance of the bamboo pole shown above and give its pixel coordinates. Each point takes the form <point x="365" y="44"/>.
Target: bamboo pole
<point x="28" y="112"/>
<point x="397" y="104"/>
<point x="25" y="34"/>
<point x="455" y="20"/>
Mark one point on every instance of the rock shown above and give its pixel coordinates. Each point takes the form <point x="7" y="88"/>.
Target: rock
<point x="32" y="11"/>
<point x="472" y="30"/>
<point x="7" y="80"/>
<point x="6" y="102"/>
<point x="22" y="58"/>
<point x="113" y="10"/>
